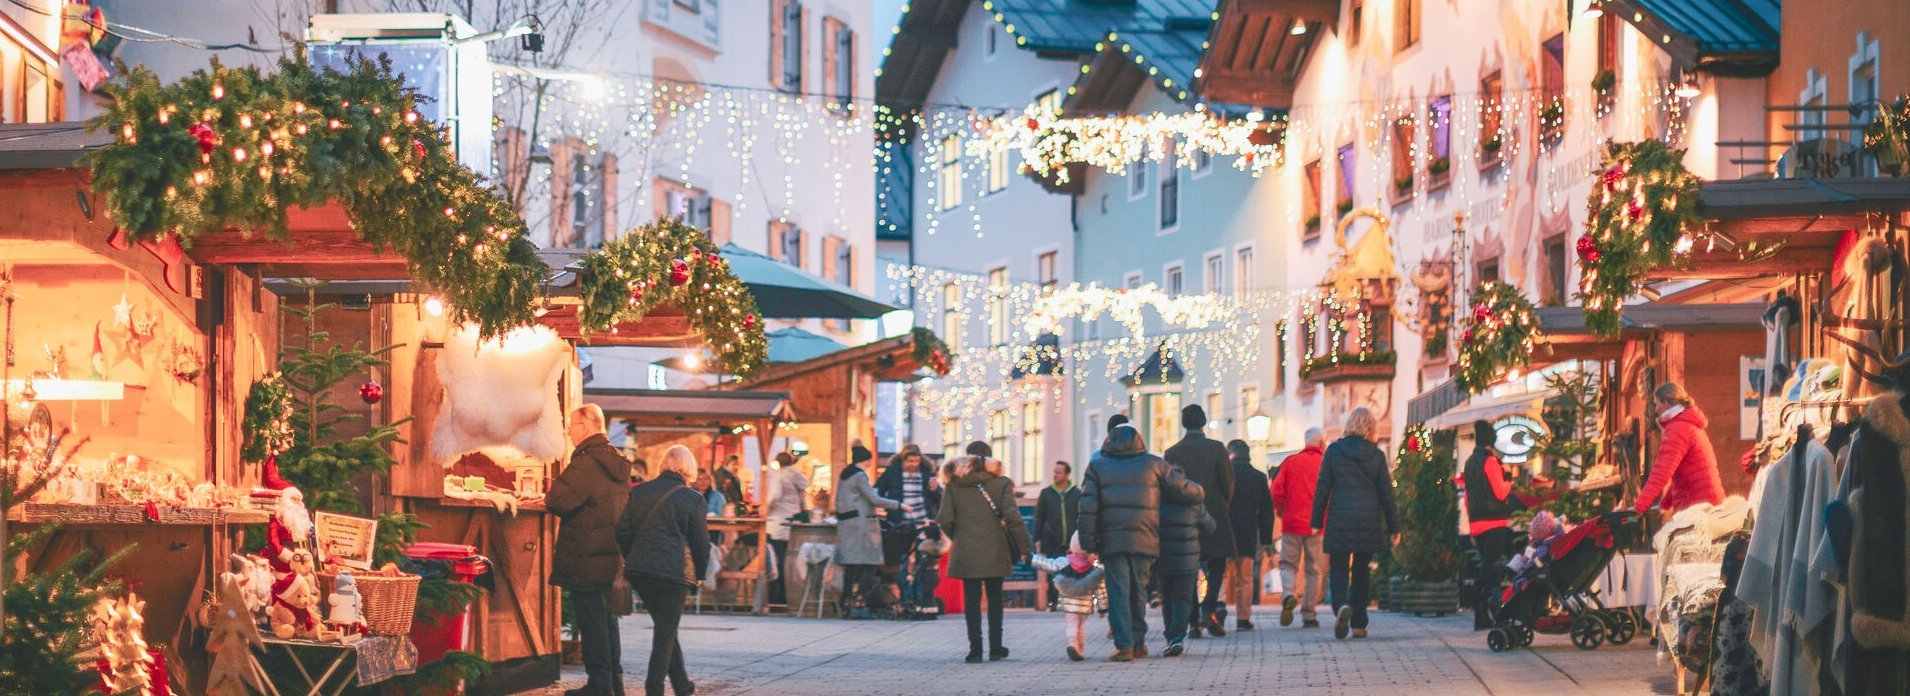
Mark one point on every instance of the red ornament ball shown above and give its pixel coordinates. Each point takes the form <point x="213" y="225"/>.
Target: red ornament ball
<point x="1588" y="250"/>
<point x="1033" y="124"/>
<point x="1412" y="443"/>
<point x="679" y="272"/>
<point x="749" y="320"/>
<point x="1613" y="175"/>
<point x="208" y="140"/>
<point x="371" y="392"/>
<point x="1634" y="210"/>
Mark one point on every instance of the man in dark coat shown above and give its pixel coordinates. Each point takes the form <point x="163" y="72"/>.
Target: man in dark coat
<point x="588" y="498"/>
<point x="1204" y="460"/>
<point x="1252" y="508"/>
<point x="1055" y="510"/>
<point x="1121" y="496"/>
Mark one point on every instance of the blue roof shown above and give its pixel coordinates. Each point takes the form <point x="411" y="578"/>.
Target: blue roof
<point x="1173" y="53"/>
<point x="1720" y="26"/>
<point x="1077" y="25"/>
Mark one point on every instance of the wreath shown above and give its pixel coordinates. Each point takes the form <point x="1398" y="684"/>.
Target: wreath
<point x="669" y="262"/>
<point x="234" y="147"/>
<point x="1499" y="336"/>
<point x="268" y="418"/>
<point x="930" y="351"/>
<point x="1639" y="211"/>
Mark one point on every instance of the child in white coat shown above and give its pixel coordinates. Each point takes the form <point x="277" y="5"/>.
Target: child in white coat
<point x="1079" y="580"/>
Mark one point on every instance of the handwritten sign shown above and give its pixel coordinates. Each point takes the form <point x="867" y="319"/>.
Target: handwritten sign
<point x="344" y="540"/>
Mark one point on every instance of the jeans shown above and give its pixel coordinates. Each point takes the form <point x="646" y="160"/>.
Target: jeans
<point x="1127" y="598"/>
<point x="602" y="642"/>
<point x="664" y="599"/>
<point x="1177" y="603"/>
<point x="779" y="588"/>
<point x="972" y="589"/>
<point x="1492" y="557"/>
<point x="1301" y="559"/>
<point x="859" y="583"/>
<point x="1216" y="571"/>
<point x="1359" y="564"/>
<point x="1242" y="586"/>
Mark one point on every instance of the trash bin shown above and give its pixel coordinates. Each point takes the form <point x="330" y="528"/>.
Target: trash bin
<point x="438" y="634"/>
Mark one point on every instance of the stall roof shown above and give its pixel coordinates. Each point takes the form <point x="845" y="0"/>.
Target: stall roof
<point x="691" y="406"/>
<point x="1660" y="317"/>
<point x="47" y="145"/>
<point x="1769" y="198"/>
<point x="1490" y="408"/>
<point x="781" y="291"/>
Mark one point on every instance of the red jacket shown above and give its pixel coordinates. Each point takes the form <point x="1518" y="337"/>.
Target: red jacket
<point x="1686" y="471"/>
<point x="1292" y="491"/>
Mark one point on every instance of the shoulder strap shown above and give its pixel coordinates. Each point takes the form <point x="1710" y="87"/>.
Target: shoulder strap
<point x="651" y="513"/>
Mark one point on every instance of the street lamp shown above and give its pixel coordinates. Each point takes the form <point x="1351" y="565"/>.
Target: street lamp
<point x="1260" y="427"/>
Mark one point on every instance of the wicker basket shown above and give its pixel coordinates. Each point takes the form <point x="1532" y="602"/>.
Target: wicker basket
<point x="388" y="599"/>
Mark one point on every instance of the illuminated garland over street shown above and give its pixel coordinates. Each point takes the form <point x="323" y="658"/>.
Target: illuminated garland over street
<point x="1500" y="335"/>
<point x="1048" y="144"/>
<point x="669" y="262"/>
<point x="1641" y="213"/>
<point x="232" y="147"/>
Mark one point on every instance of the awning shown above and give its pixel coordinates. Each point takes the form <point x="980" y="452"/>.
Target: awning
<point x="1659" y="317"/>
<point x="691" y="406"/>
<point x="786" y="345"/>
<point x="1491" y="408"/>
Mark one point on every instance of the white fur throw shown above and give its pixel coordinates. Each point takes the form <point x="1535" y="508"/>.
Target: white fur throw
<point x="500" y="394"/>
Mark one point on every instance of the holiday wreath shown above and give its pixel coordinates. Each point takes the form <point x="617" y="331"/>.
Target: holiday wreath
<point x="1639" y="211"/>
<point x="1500" y="334"/>
<point x="235" y="147"/>
<point x="268" y="418"/>
<point x="668" y="260"/>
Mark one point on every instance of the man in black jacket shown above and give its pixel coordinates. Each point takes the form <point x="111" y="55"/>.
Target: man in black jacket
<point x="1121" y="496"/>
<point x="1204" y="460"/>
<point x="1055" y="511"/>
<point x="588" y="498"/>
<point x="665" y="537"/>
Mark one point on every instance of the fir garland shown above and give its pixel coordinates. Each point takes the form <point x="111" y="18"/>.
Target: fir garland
<point x="1639" y="211"/>
<point x="268" y="418"/>
<point x="669" y="262"/>
<point x="1500" y="335"/>
<point x="1886" y="138"/>
<point x="930" y="351"/>
<point x="233" y="147"/>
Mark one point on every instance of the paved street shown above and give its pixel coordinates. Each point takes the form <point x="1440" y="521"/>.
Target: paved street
<point x="751" y="655"/>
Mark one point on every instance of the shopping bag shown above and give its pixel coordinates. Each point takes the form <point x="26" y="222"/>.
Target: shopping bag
<point x="1270" y="583"/>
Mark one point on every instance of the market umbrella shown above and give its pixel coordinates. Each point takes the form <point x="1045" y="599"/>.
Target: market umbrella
<point x="785" y="292"/>
<point x="786" y="345"/>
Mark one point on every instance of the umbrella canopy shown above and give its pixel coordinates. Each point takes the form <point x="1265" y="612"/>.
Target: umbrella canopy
<point x="786" y="345"/>
<point x="785" y="292"/>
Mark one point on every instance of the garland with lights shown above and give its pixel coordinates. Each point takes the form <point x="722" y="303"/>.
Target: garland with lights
<point x="929" y="350"/>
<point x="1639" y="213"/>
<point x="1048" y="144"/>
<point x="234" y="147"/>
<point x="267" y="425"/>
<point x="1366" y="358"/>
<point x="670" y="262"/>
<point x="1500" y="335"/>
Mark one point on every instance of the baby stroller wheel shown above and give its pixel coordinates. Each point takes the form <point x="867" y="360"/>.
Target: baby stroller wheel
<point x="1620" y="626"/>
<point x="1522" y="636"/>
<point x="1498" y="641"/>
<point x="1588" y="631"/>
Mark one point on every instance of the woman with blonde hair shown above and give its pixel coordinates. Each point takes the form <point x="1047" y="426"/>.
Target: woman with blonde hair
<point x="1686" y="470"/>
<point x="980" y="515"/>
<point x="665" y="537"/>
<point x="1353" y="502"/>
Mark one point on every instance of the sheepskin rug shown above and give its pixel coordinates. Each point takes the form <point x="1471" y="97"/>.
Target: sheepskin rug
<point x="500" y="393"/>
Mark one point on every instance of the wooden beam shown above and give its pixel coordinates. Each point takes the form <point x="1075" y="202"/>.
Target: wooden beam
<point x="1715" y="266"/>
<point x="659" y="329"/>
<point x="1253" y="30"/>
<point x="335" y="246"/>
<point x="1792" y="225"/>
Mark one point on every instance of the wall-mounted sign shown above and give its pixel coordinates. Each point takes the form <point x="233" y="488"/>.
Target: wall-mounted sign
<point x="1518" y="438"/>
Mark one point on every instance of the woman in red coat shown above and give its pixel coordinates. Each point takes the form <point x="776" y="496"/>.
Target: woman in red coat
<point x="1686" y="472"/>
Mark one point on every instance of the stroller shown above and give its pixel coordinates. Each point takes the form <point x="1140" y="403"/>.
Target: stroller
<point x="1555" y="597"/>
<point x="918" y="576"/>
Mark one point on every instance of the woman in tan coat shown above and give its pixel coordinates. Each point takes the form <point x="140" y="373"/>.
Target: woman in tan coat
<point x="980" y="515"/>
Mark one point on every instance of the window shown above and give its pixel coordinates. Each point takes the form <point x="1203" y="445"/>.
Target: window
<point x="1214" y="411"/>
<point x="1814" y="95"/>
<point x="1343" y="201"/>
<point x="510" y="159"/>
<point x="1310" y="200"/>
<point x="1555" y="270"/>
<point x="1032" y="456"/>
<point x="838" y="62"/>
<point x="1439" y="165"/>
<point x="579" y="212"/>
<point x="786" y="44"/>
<point x="1046" y="271"/>
<point x="1406" y="31"/>
<point x="1354" y="16"/>
<point x="1094" y="436"/>
<point x="1489" y="270"/>
<point x="998" y="434"/>
<point x="1136" y="180"/>
<point x="1863" y="78"/>
<point x="951" y="438"/>
<point x="988" y="39"/>
<point x="1203" y="163"/>
<point x="1280" y="357"/>
<point x="787" y="241"/>
<point x="1405" y="133"/>
<point x="1170" y="187"/>
<point x="1552" y="90"/>
<point x="952" y="316"/>
<point x="1160" y="414"/>
<point x="997" y="172"/>
<point x="1491" y="122"/>
<point x="659" y="378"/>
<point x="1243" y="272"/>
<point x="1249" y="403"/>
<point x="949" y="177"/>
<point x="1132" y="280"/>
<point x="1213" y="277"/>
<point x="844" y="273"/>
<point x="1173" y="280"/>
<point x="997" y="306"/>
<point x="1048" y="102"/>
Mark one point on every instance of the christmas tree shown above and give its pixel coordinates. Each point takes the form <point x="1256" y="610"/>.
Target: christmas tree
<point x="233" y="634"/>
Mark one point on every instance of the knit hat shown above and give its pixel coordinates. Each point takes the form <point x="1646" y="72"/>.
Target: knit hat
<point x="859" y="454"/>
<point x="1077" y="558"/>
<point x="1117" y="420"/>
<point x="1193" y="417"/>
<point x="1544" y="526"/>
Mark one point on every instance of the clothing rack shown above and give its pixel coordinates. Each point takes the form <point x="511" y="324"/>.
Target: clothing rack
<point x="1784" y="414"/>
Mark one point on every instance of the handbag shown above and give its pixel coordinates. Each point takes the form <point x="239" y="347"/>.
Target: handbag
<point x="1014" y="547"/>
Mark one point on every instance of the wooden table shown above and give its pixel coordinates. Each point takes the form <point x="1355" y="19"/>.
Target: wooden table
<point x="756" y="569"/>
<point x="340" y="673"/>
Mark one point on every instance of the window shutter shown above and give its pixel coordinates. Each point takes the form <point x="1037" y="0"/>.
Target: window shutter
<point x="719" y="221"/>
<point x="849" y="77"/>
<point x="560" y="182"/>
<point x="776" y="39"/>
<point x="608" y="197"/>
<point x="802" y="76"/>
<point x="776" y="232"/>
<point x="660" y="11"/>
<point x="829" y="256"/>
<point x="829" y="29"/>
<point x="802" y="248"/>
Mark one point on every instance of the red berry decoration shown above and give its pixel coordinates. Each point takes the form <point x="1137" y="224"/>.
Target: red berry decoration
<point x="1588" y="250"/>
<point x="208" y="140"/>
<point x="679" y="272"/>
<point x="371" y="392"/>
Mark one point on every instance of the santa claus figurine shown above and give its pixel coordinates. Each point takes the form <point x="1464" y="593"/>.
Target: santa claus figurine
<point x="286" y="535"/>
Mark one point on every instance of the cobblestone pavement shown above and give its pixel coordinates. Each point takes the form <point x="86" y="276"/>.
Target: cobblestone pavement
<point x="1424" y="656"/>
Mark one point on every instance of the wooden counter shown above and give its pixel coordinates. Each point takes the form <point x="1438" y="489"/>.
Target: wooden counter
<point x="516" y="625"/>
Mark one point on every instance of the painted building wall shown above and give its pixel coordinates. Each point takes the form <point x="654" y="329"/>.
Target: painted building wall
<point x="1833" y="57"/>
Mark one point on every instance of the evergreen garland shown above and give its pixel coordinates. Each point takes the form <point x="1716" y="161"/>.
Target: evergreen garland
<point x="1639" y="212"/>
<point x="669" y="262"/>
<point x="929" y="350"/>
<point x="234" y="147"/>
<point x="1500" y="335"/>
<point x="268" y="418"/>
<point x="1887" y="138"/>
<point x="1428" y="506"/>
